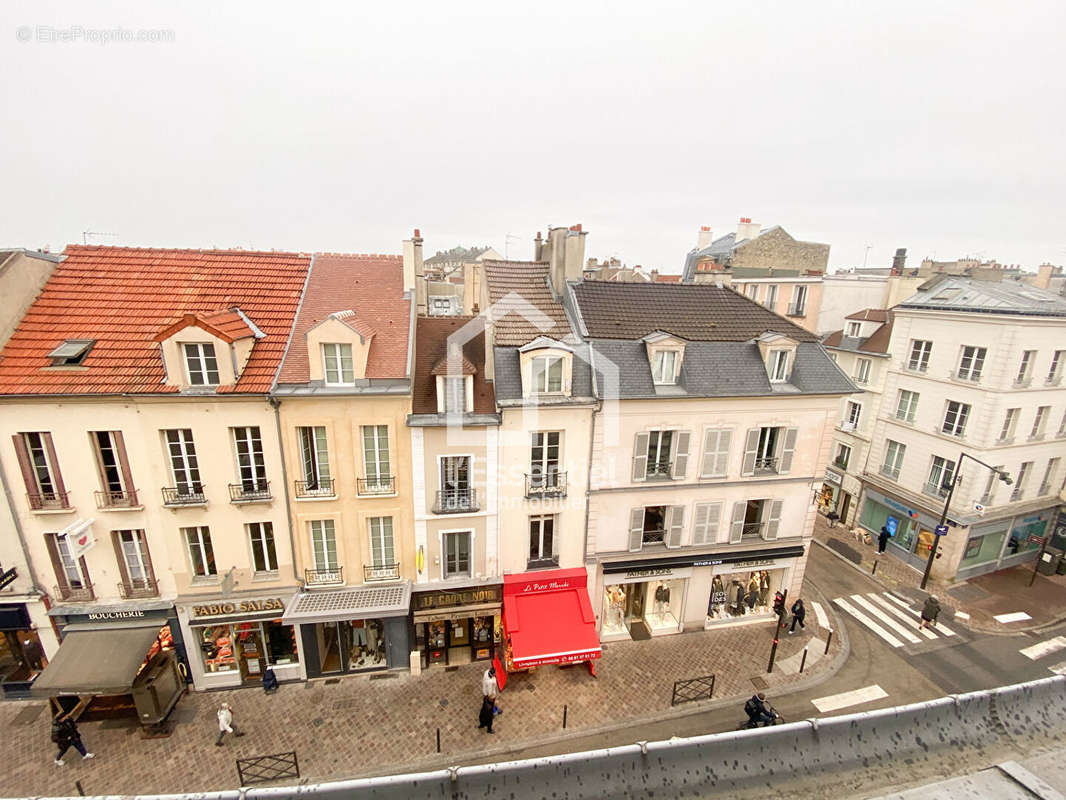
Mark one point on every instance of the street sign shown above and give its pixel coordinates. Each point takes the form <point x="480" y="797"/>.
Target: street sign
<point x="1036" y="540"/>
<point x="941" y="530"/>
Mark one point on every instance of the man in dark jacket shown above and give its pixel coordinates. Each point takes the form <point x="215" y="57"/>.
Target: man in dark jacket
<point x="65" y="734"/>
<point x="882" y="539"/>
<point x="930" y="611"/>
<point x="758" y="711"/>
<point x="487" y="713"/>
<point x="799" y="611"/>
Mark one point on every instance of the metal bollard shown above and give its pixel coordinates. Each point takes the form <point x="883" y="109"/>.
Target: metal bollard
<point x="438" y="740"/>
<point x="874" y="570"/>
<point x="803" y="660"/>
<point x="828" y="639"/>
<point x="77" y="785"/>
<point x="564" y="716"/>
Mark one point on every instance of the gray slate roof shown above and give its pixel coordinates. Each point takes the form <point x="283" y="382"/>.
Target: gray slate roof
<point x="508" y="375"/>
<point x="956" y="293"/>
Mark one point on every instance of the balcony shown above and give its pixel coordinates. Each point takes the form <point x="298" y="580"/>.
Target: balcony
<point x="840" y="464"/>
<point x="250" y="492"/>
<point x="752" y="530"/>
<point x="381" y="572"/>
<point x="75" y="594"/>
<point x="658" y="470"/>
<point x="323" y="577"/>
<point x="138" y="588"/>
<point x="119" y="499"/>
<point x="890" y="472"/>
<point x="654" y="536"/>
<point x="545" y="484"/>
<point x="380" y="485"/>
<point x="1037" y="436"/>
<point x="966" y="377"/>
<point x="797" y="310"/>
<point x="936" y="490"/>
<point x="315" y="488"/>
<point x="1022" y="383"/>
<point x="847" y="425"/>
<point x="542" y="563"/>
<point x="1053" y="380"/>
<point x="455" y="501"/>
<point x="766" y="466"/>
<point x="1045" y="488"/>
<point x="190" y="494"/>
<point x="1016" y="495"/>
<point x="43" y="501"/>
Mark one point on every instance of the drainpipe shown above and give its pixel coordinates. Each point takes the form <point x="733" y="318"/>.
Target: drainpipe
<point x="276" y="405"/>
<point x="588" y="479"/>
<point x="20" y="533"/>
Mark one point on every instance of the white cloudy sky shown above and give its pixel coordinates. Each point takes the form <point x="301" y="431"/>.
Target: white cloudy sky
<point x="936" y="126"/>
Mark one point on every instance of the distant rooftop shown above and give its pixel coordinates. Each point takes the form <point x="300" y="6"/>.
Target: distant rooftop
<point x="954" y="293"/>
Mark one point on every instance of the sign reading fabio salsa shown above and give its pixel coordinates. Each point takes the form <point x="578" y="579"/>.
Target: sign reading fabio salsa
<point x="239" y="607"/>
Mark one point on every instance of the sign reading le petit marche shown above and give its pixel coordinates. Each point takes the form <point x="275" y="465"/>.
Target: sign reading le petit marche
<point x="242" y="607"/>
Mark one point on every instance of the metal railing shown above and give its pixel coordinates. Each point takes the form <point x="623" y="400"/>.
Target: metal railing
<point x="915" y="366"/>
<point x="119" y="499"/>
<point x="83" y="593"/>
<point x="752" y="530"/>
<point x="315" y="488"/>
<point x="454" y="501"/>
<point x="654" y="536"/>
<point x="797" y="310"/>
<point x="137" y="588"/>
<point x="249" y="492"/>
<point x="191" y="494"/>
<point x="323" y="577"/>
<point x="381" y="572"/>
<point x="701" y="688"/>
<point x="546" y="484"/>
<point x="542" y="563"/>
<point x="267" y="768"/>
<point x="840" y="464"/>
<point x="847" y="425"/>
<point x="44" y="500"/>
<point x="658" y="469"/>
<point x="1017" y="493"/>
<point x="382" y="484"/>
<point x="1022" y="383"/>
<point x="890" y="472"/>
<point x="970" y="377"/>
<point x="765" y="465"/>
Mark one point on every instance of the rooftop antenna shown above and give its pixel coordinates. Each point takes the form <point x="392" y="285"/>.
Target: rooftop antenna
<point x="86" y="234"/>
<point x="507" y="244"/>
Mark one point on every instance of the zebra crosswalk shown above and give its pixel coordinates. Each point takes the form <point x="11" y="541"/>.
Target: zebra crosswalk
<point x="890" y="618"/>
<point x="1048" y="647"/>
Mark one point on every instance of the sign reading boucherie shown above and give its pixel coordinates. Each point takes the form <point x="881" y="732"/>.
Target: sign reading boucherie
<point x="423" y="601"/>
<point x="239" y="607"/>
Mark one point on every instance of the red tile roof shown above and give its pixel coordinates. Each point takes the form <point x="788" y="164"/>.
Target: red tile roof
<point x="229" y="326"/>
<point x="123" y="297"/>
<point x="513" y="287"/>
<point x="372" y="287"/>
<point x="431" y="348"/>
<point x="668" y="279"/>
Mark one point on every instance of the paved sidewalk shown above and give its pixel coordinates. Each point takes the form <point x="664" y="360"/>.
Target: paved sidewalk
<point x="982" y="598"/>
<point x="361" y="726"/>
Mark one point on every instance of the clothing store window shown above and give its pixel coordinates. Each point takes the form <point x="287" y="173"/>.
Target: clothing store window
<point x="743" y="594"/>
<point x="642" y="610"/>
<point x="247" y="647"/>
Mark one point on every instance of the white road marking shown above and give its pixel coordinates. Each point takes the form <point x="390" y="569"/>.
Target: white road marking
<point x="1017" y="616"/>
<point x="881" y="602"/>
<point x="869" y="623"/>
<point x="1059" y="669"/>
<point x="962" y="615"/>
<point x="944" y="629"/>
<point x="884" y="618"/>
<point x="819" y="613"/>
<point x="1042" y="649"/>
<point x="836" y="701"/>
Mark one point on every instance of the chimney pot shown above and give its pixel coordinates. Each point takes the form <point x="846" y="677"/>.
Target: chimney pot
<point x="418" y="233"/>
<point x="705" y="227"/>
<point x="576" y="227"/>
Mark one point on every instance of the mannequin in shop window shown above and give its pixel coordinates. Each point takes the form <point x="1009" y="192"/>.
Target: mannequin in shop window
<point x="662" y="600"/>
<point x="764" y="588"/>
<point x="616" y="599"/>
<point x="736" y="597"/>
<point x="716" y="604"/>
<point x="751" y="597"/>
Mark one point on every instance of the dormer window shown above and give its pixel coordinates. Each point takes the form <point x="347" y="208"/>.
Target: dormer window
<point x="664" y="367"/>
<point x="854" y="329"/>
<point x="71" y="353"/>
<point x="547" y="374"/>
<point x="337" y="360"/>
<point x="201" y="367"/>
<point x="454" y="395"/>
<point x="779" y="366"/>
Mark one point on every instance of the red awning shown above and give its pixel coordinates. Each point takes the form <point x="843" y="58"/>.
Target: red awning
<point x="548" y="618"/>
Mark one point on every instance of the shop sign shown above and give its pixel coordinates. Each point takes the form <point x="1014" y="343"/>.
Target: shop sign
<point x="833" y="477"/>
<point x="8" y="577"/>
<point x="652" y="573"/>
<point x="116" y="615"/>
<point x="1036" y="540"/>
<point x="423" y="601"/>
<point x="546" y="586"/>
<point x="764" y="562"/>
<point x="239" y="607"/>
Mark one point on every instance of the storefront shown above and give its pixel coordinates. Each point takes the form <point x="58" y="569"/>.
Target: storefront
<point x="457" y="626"/>
<point x="232" y="641"/>
<point x="22" y="656"/>
<point x="910" y="529"/>
<point x="743" y="591"/>
<point x="641" y="603"/>
<point x="833" y="497"/>
<point x="361" y="629"/>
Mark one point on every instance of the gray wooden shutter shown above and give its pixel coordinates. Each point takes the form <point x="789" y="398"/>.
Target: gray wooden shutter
<point x="25" y="464"/>
<point x="640" y="457"/>
<point x="736" y="529"/>
<point x="721" y="462"/>
<point x="636" y="529"/>
<point x="773" y="521"/>
<point x="680" y="465"/>
<point x="53" y="462"/>
<point x="699" y="523"/>
<point x="751" y="447"/>
<point x="675" y="525"/>
<point x="57" y="565"/>
<point x="787" y="449"/>
<point x="116" y="542"/>
<point x="124" y="465"/>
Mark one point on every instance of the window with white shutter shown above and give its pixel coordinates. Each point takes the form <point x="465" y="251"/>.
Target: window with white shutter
<point x="715" y="462"/>
<point x="706" y="517"/>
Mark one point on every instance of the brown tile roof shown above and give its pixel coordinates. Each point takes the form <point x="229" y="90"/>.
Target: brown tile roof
<point x="696" y="312"/>
<point x="877" y="342"/>
<point x="123" y="296"/>
<point x="869" y="314"/>
<point x="513" y="286"/>
<point x="372" y="287"/>
<point x="227" y="325"/>
<point x="431" y="348"/>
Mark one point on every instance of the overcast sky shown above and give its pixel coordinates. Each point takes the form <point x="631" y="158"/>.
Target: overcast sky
<point x="928" y="125"/>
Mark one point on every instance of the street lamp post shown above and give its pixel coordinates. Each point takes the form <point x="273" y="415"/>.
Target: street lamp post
<point x="1003" y="476"/>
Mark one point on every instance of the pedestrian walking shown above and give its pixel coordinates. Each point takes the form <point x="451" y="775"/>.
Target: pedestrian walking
<point x="832" y="516"/>
<point x="799" y="611"/>
<point x="930" y="611"/>
<point x="65" y="734"/>
<point x="490" y="688"/>
<point x="487" y="713"/>
<point x="225" y="724"/>
<point x="882" y="539"/>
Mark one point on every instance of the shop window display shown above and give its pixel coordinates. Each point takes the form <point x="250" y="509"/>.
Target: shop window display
<point x="21" y="656"/>
<point x="741" y="594"/>
<point x="248" y="647"/>
<point x="654" y="607"/>
<point x="368" y="644"/>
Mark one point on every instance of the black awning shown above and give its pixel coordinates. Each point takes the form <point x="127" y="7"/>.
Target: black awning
<point x="704" y="559"/>
<point x="100" y="661"/>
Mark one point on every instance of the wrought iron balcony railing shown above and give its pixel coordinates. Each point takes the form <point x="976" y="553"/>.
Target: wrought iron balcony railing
<point x="120" y="499"/>
<point x="455" y="501"/>
<point x="382" y="484"/>
<point x="936" y="490"/>
<point x="765" y="466"/>
<point x="381" y="572"/>
<point x="315" y="488"/>
<point x="654" y="536"/>
<point x="323" y="577"/>
<point x="249" y="492"/>
<point x="82" y="593"/>
<point x="658" y="469"/>
<point x="752" y="530"/>
<point x="138" y="587"/>
<point x="546" y="484"/>
<point x="40" y="501"/>
<point x="189" y="494"/>
<point x="890" y="472"/>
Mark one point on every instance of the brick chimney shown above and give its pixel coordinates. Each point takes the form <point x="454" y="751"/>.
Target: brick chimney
<point x="564" y="250"/>
<point x="746" y="229"/>
<point x="705" y="237"/>
<point x="899" y="260"/>
<point x="1043" y="276"/>
<point x="413" y="277"/>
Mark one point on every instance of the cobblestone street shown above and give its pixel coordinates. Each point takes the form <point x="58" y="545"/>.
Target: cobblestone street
<point x="364" y="725"/>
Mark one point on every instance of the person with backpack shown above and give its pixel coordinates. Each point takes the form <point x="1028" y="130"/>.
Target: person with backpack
<point x="65" y="734"/>
<point x="758" y="712"/>
<point x="930" y="611"/>
<point x="799" y="611"/>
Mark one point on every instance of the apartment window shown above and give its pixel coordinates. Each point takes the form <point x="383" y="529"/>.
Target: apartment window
<point x="833" y="356"/>
<point x="715" y="461"/>
<point x="544" y="459"/>
<point x="547" y="374"/>
<point x="323" y="545"/>
<point x="706" y="521"/>
<point x="971" y="363"/>
<point x="1010" y="422"/>
<point x="110" y="459"/>
<point x="1025" y="369"/>
<point x="665" y="366"/>
<point x="955" y="418"/>
<point x="251" y="467"/>
<point x="752" y="290"/>
<point x="382" y="549"/>
<point x="1047" y="485"/>
<point x="765" y="455"/>
<point x="769" y="450"/>
<point x="941" y="476"/>
<point x="771" y="296"/>
<point x="37" y="459"/>
<point x="843" y="456"/>
<point x="184" y="468"/>
<point x="919" y="358"/>
<point x="1054" y="374"/>
<point x="132" y="546"/>
<point x="862" y="370"/>
<point x="455" y="493"/>
<point x="852" y="414"/>
<point x="659" y="444"/>
<point x="1040" y="422"/>
<point x="542" y="537"/>
<point x="656" y="525"/>
<point x="1062" y="425"/>
<point x="456" y="554"/>
<point x="893" y="463"/>
<point x="1023" y="477"/>
<point x="314" y="458"/>
<point x="71" y="571"/>
<point x="990" y="487"/>
<point x="261" y="536"/>
<point x="854" y="329"/>
<point x="799" y="301"/>
<point x="779" y="368"/>
<point x="200" y="364"/>
<point x="376" y="458"/>
<point x="660" y="454"/>
<point x="454" y="395"/>
<point x="337" y="359"/>
<point x="201" y="554"/>
<point x="906" y="405"/>
<point x="755" y="519"/>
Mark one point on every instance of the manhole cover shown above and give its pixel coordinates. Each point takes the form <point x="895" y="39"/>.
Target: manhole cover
<point x="450" y="669"/>
<point x="344" y="704"/>
<point x="27" y="715"/>
<point x="846" y="550"/>
<point x="530" y="687"/>
<point x="318" y="721"/>
<point x="444" y="703"/>
<point x="759" y="683"/>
